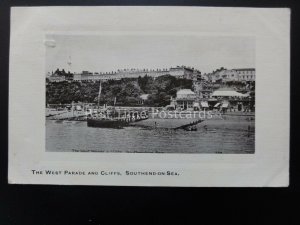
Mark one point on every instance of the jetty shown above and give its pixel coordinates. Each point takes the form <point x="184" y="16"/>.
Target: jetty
<point x="189" y="126"/>
<point x="167" y="124"/>
<point x="66" y="115"/>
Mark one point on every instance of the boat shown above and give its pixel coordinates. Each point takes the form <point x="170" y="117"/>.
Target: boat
<point x="117" y="123"/>
<point x="106" y="123"/>
<point x="111" y="119"/>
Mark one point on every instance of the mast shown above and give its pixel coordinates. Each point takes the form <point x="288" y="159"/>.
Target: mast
<point x="115" y="100"/>
<point x="99" y="94"/>
<point x="69" y="64"/>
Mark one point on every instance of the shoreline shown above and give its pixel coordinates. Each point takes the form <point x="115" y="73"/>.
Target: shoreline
<point x="82" y="115"/>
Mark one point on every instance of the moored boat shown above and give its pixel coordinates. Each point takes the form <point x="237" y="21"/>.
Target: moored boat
<point x="117" y="123"/>
<point x="113" y="119"/>
<point x="106" y="123"/>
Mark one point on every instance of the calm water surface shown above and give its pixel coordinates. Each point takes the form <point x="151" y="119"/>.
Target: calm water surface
<point x="221" y="136"/>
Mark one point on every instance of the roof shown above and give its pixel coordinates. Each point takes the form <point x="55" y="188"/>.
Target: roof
<point x="225" y="105"/>
<point x="144" y="96"/>
<point x="185" y="92"/>
<point x="228" y="93"/>
<point x="204" y="104"/>
<point x="170" y="106"/>
<point x="244" y="69"/>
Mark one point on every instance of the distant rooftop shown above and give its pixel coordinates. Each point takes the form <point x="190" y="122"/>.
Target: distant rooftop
<point x="244" y="69"/>
<point x="144" y="96"/>
<point x="227" y="92"/>
<point x="185" y="92"/>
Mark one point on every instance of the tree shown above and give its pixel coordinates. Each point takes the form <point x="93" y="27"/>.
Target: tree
<point x="57" y="72"/>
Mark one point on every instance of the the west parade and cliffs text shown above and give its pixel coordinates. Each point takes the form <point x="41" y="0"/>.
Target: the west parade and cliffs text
<point x="103" y="173"/>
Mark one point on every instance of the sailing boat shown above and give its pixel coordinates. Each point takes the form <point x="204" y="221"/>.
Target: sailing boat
<point x="112" y="119"/>
<point x="105" y="121"/>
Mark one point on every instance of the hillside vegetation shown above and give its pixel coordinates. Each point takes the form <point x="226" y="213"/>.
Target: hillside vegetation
<point x="126" y="91"/>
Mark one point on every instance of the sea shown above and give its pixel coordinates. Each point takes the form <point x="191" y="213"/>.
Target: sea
<point x="221" y="136"/>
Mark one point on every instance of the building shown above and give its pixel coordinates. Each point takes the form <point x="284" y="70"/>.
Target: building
<point x="232" y="100"/>
<point x="223" y="75"/>
<point x="205" y="77"/>
<point x="59" y="76"/>
<point x="203" y="88"/>
<point x="143" y="98"/>
<point x="228" y="94"/>
<point x="180" y="72"/>
<point x="226" y="75"/>
<point x="184" y="72"/>
<point x="229" y="75"/>
<point x="222" y="99"/>
<point x="56" y="78"/>
<point x="246" y="74"/>
<point x="185" y="99"/>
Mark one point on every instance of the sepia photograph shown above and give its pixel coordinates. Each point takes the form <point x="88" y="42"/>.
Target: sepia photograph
<point x="150" y="93"/>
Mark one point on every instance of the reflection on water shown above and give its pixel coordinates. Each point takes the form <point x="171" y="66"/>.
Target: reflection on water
<point x="218" y="136"/>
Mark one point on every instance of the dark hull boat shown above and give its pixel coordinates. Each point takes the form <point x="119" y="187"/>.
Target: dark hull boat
<point x="106" y="123"/>
<point x="111" y="123"/>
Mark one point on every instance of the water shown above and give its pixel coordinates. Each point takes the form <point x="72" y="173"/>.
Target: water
<point x="221" y="136"/>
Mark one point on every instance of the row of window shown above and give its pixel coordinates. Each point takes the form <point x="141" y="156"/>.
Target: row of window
<point x="227" y="76"/>
<point x="246" y="72"/>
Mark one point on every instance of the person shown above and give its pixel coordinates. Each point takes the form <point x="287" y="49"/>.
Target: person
<point x="248" y="131"/>
<point x="223" y="110"/>
<point x="194" y="128"/>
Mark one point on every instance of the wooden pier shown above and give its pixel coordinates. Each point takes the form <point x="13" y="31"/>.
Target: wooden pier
<point x="171" y="124"/>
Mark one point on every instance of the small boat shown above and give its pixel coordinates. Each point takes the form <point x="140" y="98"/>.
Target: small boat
<point x="194" y="128"/>
<point x="190" y="128"/>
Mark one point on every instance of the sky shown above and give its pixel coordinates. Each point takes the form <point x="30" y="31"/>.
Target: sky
<point x="108" y="53"/>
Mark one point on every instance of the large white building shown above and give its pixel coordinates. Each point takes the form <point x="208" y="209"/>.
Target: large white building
<point x="246" y="74"/>
<point x="56" y="78"/>
<point x="225" y="75"/>
<point x="180" y="72"/>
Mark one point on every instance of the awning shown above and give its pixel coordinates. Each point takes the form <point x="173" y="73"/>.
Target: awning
<point x="144" y="96"/>
<point x="224" y="105"/>
<point x="196" y="104"/>
<point x="170" y="106"/>
<point x="216" y="105"/>
<point x="228" y="93"/>
<point x="204" y="104"/>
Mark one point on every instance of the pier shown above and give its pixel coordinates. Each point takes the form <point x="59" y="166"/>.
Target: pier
<point x="66" y="115"/>
<point x="168" y="124"/>
<point x="189" y="126"/>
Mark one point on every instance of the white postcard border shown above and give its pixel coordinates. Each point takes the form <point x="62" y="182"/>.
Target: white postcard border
<point x="269" y="166"/>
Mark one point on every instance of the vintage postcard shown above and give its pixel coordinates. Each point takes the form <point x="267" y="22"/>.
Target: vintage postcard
<point x="158" y="107"/>
<point x="107" y="96"/>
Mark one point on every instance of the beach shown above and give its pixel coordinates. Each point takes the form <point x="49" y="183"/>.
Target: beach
<point x="233" y="134"/>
